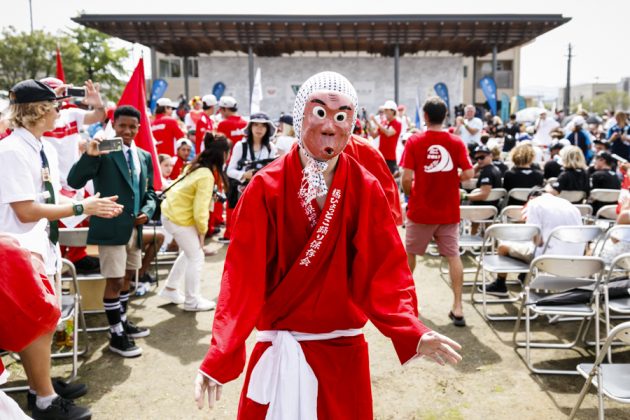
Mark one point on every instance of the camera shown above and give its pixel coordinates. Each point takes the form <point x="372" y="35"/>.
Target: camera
<point x="75" y="92"/>
<point x="219" y="196"/>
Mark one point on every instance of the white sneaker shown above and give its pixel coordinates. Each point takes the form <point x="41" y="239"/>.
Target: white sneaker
<point x="201" y="305"/>
<point x="173" y="296"/>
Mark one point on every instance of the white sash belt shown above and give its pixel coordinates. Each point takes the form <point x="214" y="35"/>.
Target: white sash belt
<point x="283" y="378"/>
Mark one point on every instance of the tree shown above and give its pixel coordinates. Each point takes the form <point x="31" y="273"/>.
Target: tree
<point x="86" y="54"/>
<point x="100" y="62"/>
<point x="25" y="56"/>
<point x="612" y="100"/>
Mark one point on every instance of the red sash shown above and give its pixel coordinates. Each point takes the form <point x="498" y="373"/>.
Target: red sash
<point x="315" y="255"/>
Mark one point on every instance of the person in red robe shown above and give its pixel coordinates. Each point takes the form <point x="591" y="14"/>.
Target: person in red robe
<point x="307" y="267"/>
<point x="372" y="160"/>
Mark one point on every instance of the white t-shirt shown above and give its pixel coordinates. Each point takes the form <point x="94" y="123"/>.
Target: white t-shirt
<point x="66" y="138"/>
<point x="549" y="212"/>
<point x="465" y="134"/>
<point x="542" y="137"/>
<point x="21" y="174"/>
<point x="237" y="154"/>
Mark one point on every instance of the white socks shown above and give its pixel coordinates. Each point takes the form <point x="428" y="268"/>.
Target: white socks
<point x="44" y="402"/>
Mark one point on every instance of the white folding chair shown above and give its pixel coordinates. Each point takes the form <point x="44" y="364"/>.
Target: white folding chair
<point x="70" y="310"/>
<point x="621" y="307"/>
<point x="607" y="215"/>
<point x="574" y="197"/>
<point x="551" y="180"/>
<point x="483" y="216"/>
<point x="519" y="194"/>
<point x="511" y="214"/>
<point x="491" y="262"/>
<point x="604" y="195"/>
<point x="469" y="184"/>
<point x="496" y="194"/>
<point x="550" y="274"/>
<point x="611" y="380"/>
<point x="77" y="237"/>
<point x="574" y="235"/>
<point x="586" y="210"/>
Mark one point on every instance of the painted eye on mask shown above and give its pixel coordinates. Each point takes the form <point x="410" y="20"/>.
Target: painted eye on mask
<point x="341" y="116"/>
<point x="319" y="112"/>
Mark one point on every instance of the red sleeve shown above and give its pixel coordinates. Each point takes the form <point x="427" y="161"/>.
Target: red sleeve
<point x="177" y="132"/>
<point x="242" y="287"/>
<point x="200" y="132"/>
<point x="463" y="158"/>
<point x="397" y="126"/>
<point x="382" y="285"/>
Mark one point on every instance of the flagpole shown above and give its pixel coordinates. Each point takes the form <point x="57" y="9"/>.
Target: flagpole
<point x="30" y="9"/>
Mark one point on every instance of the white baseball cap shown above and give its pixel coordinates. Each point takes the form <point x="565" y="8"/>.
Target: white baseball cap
<point x="167" y="102"/>
<point x="390" y="105"/>
<point x="227" y="102"/>
<point x="209" y="100"/>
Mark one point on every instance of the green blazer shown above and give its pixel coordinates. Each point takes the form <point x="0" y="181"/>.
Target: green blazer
<point x="111" y="176"/>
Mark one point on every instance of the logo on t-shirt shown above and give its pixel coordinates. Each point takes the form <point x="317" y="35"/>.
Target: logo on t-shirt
<point x="439" y="160"/>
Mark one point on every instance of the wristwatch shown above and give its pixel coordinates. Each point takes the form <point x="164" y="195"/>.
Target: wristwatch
<point x="77" y="208"/>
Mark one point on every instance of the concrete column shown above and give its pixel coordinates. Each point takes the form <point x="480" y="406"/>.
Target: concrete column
<point x="250" y="58"/>
<point x="474" y="80"/>
<point x="396" y="71"/>
<point x="494" y="63"/>
<point x="186" y="88"/>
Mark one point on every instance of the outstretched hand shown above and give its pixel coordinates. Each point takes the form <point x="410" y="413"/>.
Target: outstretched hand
<point x="204" y="385"/>
<point x="439" y="348"/>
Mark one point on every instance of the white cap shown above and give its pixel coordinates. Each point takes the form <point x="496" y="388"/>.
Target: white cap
<point x="167" y="102"/>
<point x="209" y="100"/>
<point x="579" y="120"/>
<point x="183" y="141"/>
<point x="390" y="105"/>
<point x="227" y="102"/>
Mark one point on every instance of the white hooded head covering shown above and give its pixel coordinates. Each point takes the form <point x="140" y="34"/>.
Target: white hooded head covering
<point x="313" y="183"/>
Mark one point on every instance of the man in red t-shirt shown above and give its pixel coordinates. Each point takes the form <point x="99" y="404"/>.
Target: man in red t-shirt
<point x="388" y="133"/>
<point x="232" y="127"/>
<point x="205" y="123"/>
<point x="431" y="179"/>
<point x="165" y="128"/>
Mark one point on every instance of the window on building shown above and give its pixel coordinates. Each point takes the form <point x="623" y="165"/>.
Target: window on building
<point x="193" y="67"/>
<point x="504" y="76"/>
<point x="170" y="67"/>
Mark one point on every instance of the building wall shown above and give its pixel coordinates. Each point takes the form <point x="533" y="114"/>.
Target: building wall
<point x="373" y="77"/>
<point x="513" y="55"/>
<point x="584" y="93"/>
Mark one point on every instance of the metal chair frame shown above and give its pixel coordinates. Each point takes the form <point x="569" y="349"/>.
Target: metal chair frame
<point x="574" y="197"/>
<point x="598" y="373"/>
<point x="500" y="264"/>
<point x="559" y="273"/>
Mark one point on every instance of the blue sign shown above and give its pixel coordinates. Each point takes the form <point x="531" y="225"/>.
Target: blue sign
<point x="218" y="89"/>
<point x="520" y="103"/>
<point x="442" y="91"/>
<point x="489" y="89"/>
<point x="505" y="108"/>
<point x="157" y="91"/>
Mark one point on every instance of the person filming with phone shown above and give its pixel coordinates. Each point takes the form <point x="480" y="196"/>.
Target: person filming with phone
<point x="126" y="171"/>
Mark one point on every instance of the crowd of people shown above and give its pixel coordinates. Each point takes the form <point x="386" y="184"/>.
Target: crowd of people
<point x="56" y="173"/>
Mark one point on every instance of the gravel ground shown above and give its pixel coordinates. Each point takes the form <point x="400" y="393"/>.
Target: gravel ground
<point x="491" y="382"/>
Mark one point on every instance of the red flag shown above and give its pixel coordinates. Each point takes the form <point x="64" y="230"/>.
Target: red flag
<point x="60" y="74"/>
<point x="134" y="95"/>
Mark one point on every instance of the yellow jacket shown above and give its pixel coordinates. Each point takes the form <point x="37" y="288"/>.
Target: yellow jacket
<point x="188" y="202"/>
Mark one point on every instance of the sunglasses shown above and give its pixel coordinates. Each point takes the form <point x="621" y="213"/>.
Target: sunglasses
<point x="57" y="106"/>
<point x="482" y="157"/>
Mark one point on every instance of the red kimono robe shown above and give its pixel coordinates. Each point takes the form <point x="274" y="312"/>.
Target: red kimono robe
<point x="372" y="160"/>
<point x="331" y="270"/>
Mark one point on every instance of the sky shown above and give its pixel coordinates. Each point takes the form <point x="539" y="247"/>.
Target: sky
<point x="598" y="34"/>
